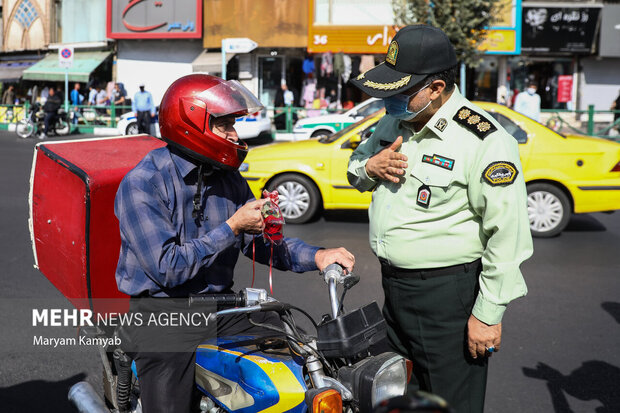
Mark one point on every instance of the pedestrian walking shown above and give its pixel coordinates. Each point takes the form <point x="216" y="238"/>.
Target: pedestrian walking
<point x="76" y="101"/>
<point x="8" y="97"/>
<point x="144" y="108"/>
<point x="448" y="217"/>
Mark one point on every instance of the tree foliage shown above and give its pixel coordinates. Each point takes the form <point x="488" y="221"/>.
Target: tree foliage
<point x="464" y="21"/>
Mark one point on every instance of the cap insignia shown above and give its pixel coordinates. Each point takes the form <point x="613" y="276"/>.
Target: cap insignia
<point x="392" y="53"/>
<point x="388" y="86"/>
<point x="474" y="122"/>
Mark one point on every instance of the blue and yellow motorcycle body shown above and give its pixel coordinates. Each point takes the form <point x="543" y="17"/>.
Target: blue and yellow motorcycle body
<point x="243" y="377"/>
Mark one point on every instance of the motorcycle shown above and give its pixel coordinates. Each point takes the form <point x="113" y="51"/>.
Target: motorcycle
<point x="331" y="370"/>
<point x="33" y="123"/>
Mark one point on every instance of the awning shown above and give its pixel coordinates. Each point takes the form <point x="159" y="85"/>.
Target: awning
<point x="84" y="63"/>
<point x="11" y="71"/>
<point x="210" y="62"/>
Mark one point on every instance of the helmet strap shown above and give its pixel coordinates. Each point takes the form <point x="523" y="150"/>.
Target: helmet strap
<point x="196" y="212"/>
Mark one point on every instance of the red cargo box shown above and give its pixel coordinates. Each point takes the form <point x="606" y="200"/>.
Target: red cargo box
<point x="75" y="235"/>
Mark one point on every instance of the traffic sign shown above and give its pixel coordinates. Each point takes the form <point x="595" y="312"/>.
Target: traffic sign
<point x="65" y="56"/>
<point x="238" y="45"/>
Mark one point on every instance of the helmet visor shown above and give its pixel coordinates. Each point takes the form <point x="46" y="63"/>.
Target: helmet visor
<point x="230" y="98"/>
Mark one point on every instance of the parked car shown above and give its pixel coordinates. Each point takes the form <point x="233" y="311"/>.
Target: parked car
<point x="328" y="124"/>
<point x="564" y="174"/>
<point x="254" y="128"/>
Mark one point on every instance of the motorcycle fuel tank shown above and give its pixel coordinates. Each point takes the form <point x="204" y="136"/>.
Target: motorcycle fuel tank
<point x="246" y="377"/>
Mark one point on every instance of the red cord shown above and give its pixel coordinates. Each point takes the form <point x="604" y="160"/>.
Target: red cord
<point x="270" y="265"/>
<point x="253" y="262"/>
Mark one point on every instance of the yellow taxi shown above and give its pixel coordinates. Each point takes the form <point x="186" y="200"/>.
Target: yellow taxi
<point x="564" y="173"/>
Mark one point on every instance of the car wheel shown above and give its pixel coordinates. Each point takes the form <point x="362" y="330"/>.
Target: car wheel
<point x="299" y="197"/>
<point x="24" y="129"/>
<point x="548" y="209"/>
<point x="320" y="132"/>
<point x="132" y="129"/>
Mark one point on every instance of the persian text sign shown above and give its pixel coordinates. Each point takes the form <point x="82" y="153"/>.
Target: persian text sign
<point x="565" y="88"/>
<point x="350" y="39"/>
<point x="141" y="19"/>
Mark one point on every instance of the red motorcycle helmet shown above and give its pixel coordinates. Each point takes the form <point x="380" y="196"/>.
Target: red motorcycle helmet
<point x="187" y="111"/>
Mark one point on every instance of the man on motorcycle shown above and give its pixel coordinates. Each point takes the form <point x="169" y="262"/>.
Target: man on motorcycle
<point x="51" y="106"/>
<point x="185" y="212"/>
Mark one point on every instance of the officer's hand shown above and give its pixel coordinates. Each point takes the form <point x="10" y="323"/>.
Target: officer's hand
<point x="481" y="336"/>
<point x="388" y="164"/>
<point x="334" y="255"/>
<point x="248" y="218"/>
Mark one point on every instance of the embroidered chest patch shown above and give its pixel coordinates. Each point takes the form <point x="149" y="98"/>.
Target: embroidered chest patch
<point x="438" y="160"/>
<point x="500" y="173"/>
<point x="424" y="196"/>
<point x="475" y="122"/>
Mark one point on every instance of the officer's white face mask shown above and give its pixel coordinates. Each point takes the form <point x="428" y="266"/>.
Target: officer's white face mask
<point x="397" y="106"/>
<point x="531" y="90"/>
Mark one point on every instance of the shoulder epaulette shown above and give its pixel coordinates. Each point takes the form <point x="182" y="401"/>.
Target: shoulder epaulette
<point x="474" y="121"/>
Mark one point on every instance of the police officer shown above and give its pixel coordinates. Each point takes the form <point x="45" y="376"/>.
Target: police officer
<point x="448" y="218"/>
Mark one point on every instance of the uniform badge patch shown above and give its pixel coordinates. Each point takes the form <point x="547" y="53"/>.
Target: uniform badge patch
<point x="474" y="122"/>
<point x="438" y="160"/>
<point x="500" y="173"/>
<point x="441" y="124"/>
<point x="424" y="196"/>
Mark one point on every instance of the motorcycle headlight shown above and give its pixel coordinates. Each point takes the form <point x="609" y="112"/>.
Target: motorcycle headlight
<point x="390" y="380"/>
<point x="376" y="379"/>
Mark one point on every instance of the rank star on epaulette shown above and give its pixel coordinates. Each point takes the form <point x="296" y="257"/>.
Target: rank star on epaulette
<point x="474" y="122"/>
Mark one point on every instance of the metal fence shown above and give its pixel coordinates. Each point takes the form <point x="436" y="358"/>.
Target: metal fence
<point x="591" y="122"/>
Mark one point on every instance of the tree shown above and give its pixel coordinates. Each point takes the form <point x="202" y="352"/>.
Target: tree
<point x="464" y="21"/>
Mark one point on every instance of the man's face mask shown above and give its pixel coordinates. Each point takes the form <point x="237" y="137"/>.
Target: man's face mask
<point x="397" y="106"/>
<point x="531" y="90"/>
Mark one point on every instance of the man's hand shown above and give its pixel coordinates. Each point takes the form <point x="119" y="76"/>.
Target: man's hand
<point x="334" y="255"/>
<point x="248" y="218"/>
<point x="481" y="336"/>
<point x="388" y="164"/>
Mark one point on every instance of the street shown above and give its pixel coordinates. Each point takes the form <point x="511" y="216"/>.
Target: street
<point x="560" y="343"/>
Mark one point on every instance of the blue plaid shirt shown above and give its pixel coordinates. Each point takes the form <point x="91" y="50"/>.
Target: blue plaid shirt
<point x="167" y="253"/>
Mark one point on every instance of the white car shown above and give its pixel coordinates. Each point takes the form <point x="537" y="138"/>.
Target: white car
<point x="329" y="124"/>
<point x="255" y="127"/>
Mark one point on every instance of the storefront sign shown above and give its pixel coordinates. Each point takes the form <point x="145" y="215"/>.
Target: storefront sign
<point x="504" y="35"/>
<point x="141" y="19"/>
<point x="556" y="29"/>
<point x="565" y="88"/>
<point x="350" y="39"/>
<point x="610" y="31"/>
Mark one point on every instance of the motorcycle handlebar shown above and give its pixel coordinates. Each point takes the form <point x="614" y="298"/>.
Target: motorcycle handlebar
<point x="220" y="301"/>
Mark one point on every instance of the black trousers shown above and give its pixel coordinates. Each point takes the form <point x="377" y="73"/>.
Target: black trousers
<point x="48" y="121"/>
<point x="427" y="320"/>
<point x="165" y="355"/>
<point x="144" y="121"/>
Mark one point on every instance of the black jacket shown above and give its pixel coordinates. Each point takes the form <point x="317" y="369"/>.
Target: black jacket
<point x="52" y="104"/>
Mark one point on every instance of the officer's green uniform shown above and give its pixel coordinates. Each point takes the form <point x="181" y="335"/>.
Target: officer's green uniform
<point x="462" y="199"/>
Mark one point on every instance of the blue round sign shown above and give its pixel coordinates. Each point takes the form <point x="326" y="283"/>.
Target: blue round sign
<point x="66" y="53"/>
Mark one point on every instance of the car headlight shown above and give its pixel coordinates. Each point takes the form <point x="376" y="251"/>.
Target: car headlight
<point x="244" y="167"/>
<point x="376" y="379"/>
